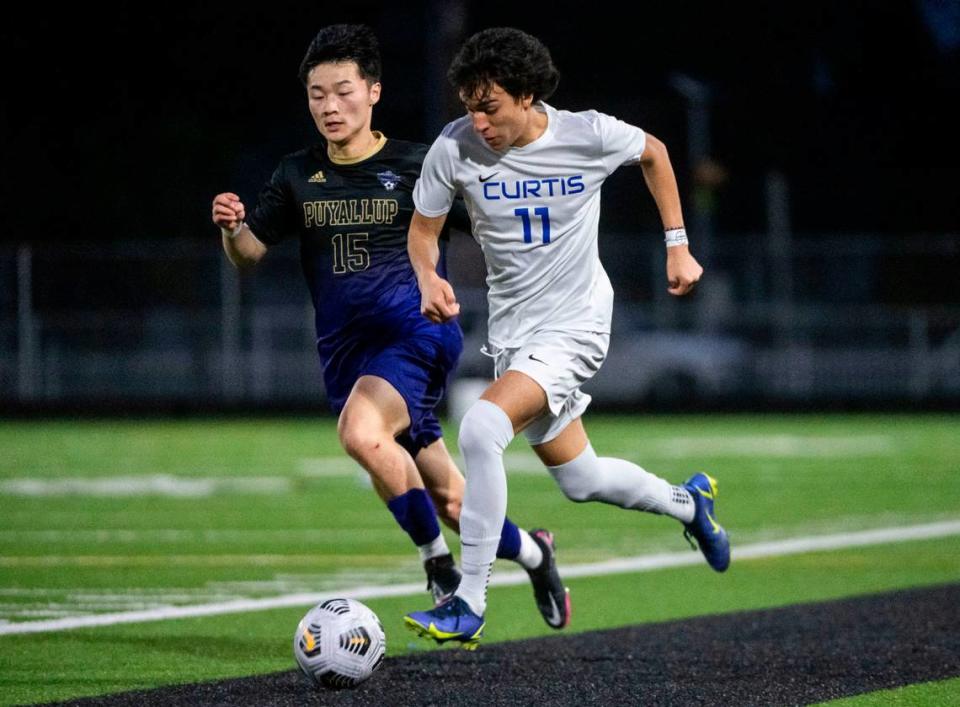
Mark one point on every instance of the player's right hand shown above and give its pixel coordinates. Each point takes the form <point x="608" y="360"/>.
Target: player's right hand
<point x="437" y="301"/>
<point x="228" y="210"/>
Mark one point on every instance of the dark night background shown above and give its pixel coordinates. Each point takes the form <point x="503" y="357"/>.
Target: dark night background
<point x="124" y="124"/>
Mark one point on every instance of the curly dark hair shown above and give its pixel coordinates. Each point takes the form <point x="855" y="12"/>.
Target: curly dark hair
<point x="519" y="62"/>
<point x="356" y="43"/>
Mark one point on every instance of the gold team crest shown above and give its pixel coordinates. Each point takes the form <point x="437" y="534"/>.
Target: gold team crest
<point x="318" y="178"/>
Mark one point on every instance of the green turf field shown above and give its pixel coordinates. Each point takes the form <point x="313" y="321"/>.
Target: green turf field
<point x="122" y="516"/>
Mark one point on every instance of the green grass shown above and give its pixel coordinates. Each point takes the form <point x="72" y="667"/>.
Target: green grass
<point x="780" y="476"/>
<point x="942" y="693"/>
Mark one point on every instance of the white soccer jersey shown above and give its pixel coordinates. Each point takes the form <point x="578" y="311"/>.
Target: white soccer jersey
<point x="535" y="211"/>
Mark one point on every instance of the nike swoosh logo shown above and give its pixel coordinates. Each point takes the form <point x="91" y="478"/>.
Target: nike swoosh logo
<point x="554" y="619"/>
<point x="534" y="358"/>
<point x="484" y="179"/>
<point x="713" y="523"/>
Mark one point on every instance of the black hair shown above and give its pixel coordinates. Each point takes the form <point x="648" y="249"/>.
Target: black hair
<point x="519" y="62"/>
<point x="336" y="43"/>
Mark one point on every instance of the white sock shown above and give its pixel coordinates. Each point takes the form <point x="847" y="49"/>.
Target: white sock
<point x="485" y="431"/>
<point x="621" y="483"/>
<point x="434" y="548"/>
<point x="530" y="555"/>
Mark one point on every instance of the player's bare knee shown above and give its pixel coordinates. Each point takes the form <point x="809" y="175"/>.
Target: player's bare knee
<point x="344" y="424"/>
<point x="358" y="442"/>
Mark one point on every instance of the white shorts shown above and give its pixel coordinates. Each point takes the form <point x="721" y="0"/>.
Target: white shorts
<point x="559" y="362"/>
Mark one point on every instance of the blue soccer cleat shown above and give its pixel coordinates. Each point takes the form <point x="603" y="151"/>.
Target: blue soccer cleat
<point x="451" y="621"/>
<point x="710" y="536"/>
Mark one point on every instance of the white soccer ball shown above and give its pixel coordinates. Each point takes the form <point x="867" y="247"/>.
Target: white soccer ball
<point x="339" y="643"/>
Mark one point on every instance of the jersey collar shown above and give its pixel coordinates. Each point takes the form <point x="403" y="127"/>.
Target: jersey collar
<point x="544" y="139"/>
<point x="548" y="131"/>
<point x="377" y="146"/>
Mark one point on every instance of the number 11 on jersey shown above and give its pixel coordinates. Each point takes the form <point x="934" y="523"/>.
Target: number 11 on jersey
<point x="544" y="213"/>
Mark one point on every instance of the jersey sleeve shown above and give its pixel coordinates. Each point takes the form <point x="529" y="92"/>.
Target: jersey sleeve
<point x="621" y="143"/>
<point x="272" y="219"/>
<point x="435" y="190"/>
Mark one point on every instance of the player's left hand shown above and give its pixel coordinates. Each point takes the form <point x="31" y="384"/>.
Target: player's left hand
<point x="438" y="303"/>
<point x="683" y="270"/>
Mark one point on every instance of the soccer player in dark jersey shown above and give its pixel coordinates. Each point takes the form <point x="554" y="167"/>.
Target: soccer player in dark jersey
<point x="385" y="366"/>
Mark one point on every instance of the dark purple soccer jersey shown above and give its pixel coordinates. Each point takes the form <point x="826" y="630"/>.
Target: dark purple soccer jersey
<point x="352" y="221"/>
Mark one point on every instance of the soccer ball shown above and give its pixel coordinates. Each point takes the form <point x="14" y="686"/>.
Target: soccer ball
<point x="339" y="643"/>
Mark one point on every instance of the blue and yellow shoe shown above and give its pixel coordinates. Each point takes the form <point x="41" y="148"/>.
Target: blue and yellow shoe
<point x="451" y="621"/>
<point x="710" y="536"/>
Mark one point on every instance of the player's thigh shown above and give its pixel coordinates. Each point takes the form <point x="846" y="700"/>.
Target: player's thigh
<point x="374" y="405"/>
<point x="565" y="447"/>
<point x="417" y="367"/>
<point x="519" y="396"/>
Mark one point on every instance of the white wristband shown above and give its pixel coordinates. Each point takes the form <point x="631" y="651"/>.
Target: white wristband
<point x="675" y="236"/>
<point x="235" y="232"/>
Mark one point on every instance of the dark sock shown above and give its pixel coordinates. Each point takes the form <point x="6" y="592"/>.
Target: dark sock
<point x="416" y="514"/>
<point x="509" y="546"/>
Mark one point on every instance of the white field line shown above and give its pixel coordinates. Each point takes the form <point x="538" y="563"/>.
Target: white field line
<point x="146" y="485"/>
<point x="645" y="563"/>
<point x="177" y="535"/>
<point x="116" y="536"/>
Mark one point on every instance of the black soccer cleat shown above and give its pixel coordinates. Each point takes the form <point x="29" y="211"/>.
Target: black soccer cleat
<point x="553" y="599"/>
<point x="443" y="577"/>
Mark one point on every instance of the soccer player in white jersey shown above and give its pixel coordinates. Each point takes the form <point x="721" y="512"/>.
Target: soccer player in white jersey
<point x="531" y="175"/>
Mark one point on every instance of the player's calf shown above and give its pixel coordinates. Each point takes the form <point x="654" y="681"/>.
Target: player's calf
<point x="448" y="508"/>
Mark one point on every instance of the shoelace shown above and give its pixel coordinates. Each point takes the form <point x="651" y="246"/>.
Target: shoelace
<point x="449" y="608"/>
<point x="686" y="533"/>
